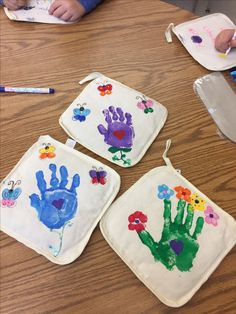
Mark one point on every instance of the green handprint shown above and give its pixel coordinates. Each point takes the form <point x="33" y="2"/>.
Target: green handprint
<point x="177" y="247"/>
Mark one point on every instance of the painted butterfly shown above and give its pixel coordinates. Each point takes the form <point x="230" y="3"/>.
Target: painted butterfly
<point x="144" y="104"/>
<point x="98" y="175"/>
<point x="80" y="113"/>
<point x="47" y="151"/>
<point x="10" y="195"/>
<point x="105" y="89"/>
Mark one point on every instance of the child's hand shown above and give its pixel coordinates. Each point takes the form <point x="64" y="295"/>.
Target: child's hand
<point x="67" y="10"/>
<point x="14" y="4"/>
<point x="224" y="40"/>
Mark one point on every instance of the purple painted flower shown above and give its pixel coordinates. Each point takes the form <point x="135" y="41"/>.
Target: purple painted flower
<point x="164" y="192"/>
<point x="210" y="216"/>
<point x="119" y="132"/>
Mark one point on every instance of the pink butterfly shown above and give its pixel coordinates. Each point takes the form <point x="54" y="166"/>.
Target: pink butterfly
<point x="144" y="104"/>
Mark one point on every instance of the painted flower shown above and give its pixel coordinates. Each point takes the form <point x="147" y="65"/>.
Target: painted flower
<point x="183" y="193"/>
<point x="197" y="202"/>
<point x="137" y="221"/>
<point x="164" y="192"/>
<point x="210" y="216"/>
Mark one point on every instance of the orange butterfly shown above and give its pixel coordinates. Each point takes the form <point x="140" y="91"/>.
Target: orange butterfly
<point x="47" y="151"/>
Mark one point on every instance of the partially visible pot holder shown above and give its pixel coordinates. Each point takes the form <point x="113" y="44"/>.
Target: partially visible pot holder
<point x="198" y="37"/>
<point x="54" y="197"/>
<point x="113" y="120"/>
<point x="170" y="234"/>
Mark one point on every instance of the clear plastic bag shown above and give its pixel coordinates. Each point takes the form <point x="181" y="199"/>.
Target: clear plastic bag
<point x="220" y="101"/>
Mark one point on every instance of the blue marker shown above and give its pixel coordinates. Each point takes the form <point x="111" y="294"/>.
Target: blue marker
<point x="233" y="72"/>
<point x="5" y="89"/>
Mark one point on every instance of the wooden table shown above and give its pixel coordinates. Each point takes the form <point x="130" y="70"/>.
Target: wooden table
<point x="124" y="40"/>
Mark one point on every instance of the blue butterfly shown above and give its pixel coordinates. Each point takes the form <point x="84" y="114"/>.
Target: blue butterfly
<point x="10" y="195"/>
<point x="80" y="113"/>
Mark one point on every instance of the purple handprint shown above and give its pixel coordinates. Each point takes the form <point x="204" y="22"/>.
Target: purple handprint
<point x="119" y="133"/>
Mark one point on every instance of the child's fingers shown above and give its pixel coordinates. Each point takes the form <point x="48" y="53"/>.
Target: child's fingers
<point x="15" y="4"/>
<point x="66" y="16"/>
<point x="59" y="12"/>
<point x="54" y="6"/>
<point x="222" y="46"/>
<point x="73" y="18"/>
<point x="11" y="5"/>
<point x="22" y="2"/>
<point x="221" y="43"/>
<point x="223" y="40"/>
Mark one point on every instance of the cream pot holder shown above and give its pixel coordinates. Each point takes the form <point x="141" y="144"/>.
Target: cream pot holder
<point x="198" y="37"/>
<point x="54" y="197"/>
<point x="113" y="120"/>
<point x="170" y="234"/>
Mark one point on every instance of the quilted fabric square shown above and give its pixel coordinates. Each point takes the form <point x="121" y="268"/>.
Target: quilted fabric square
<point x="113" y="120"/>
<point x="54" y="197"/>
<point x="169" y="233"/>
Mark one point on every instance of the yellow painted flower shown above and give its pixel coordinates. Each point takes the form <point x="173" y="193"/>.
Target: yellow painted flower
<point x="197" y="202"/>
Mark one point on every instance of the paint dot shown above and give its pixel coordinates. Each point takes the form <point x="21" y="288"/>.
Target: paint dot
<point x="196" y="39"/>
<point x="211" y="215"/>
<point x="222" y="55"/>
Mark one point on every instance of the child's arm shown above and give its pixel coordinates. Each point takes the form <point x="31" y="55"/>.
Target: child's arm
<point x="225" y="39"/>
<point x="13" y="4"/>
<point x="72" y="10"/>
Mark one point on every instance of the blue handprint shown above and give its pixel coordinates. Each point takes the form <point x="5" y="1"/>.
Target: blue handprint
<point x="119" y="133"/>
<point x="57" y="205"/>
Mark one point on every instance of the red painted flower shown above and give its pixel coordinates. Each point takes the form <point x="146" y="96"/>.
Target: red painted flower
<point x="183" y="193"/>
<point x="137" y="221"/>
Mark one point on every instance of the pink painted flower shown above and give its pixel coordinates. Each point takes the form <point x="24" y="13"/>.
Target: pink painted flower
<point x="137" y="221"/>
<point x="210" y="216"/>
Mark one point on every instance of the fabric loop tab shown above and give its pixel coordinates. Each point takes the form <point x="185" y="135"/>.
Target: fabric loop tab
<point x="168" y="33"/>
<point x="71" y="143"/>
<point x="164" y="156"/>
<point x="90" y="77"/>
